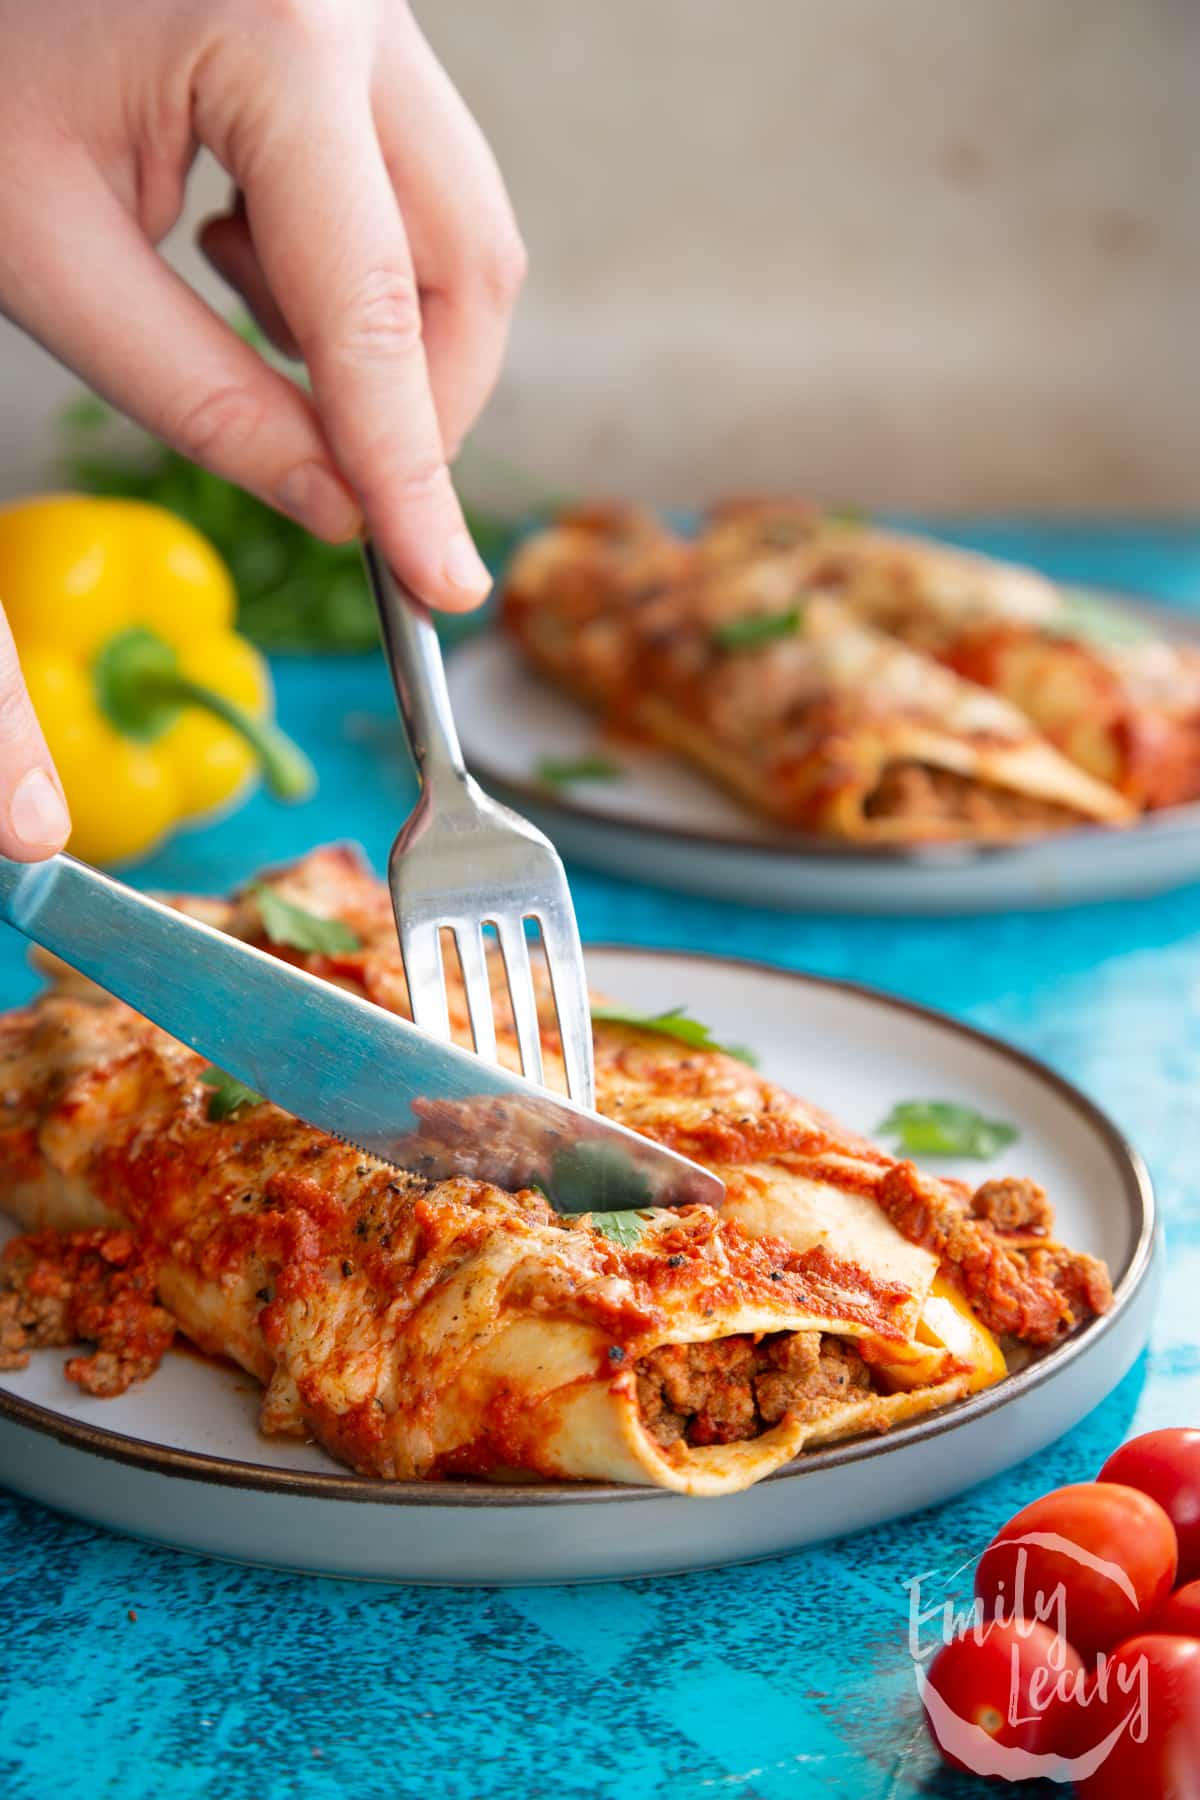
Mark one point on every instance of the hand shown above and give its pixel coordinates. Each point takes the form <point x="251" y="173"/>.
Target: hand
<point x="34" y="821"/>
<point x="375" y="239"/>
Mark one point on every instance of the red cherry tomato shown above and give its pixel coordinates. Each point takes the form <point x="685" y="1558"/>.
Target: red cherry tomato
<point x="1149" y="1690"/>
<point x="1094" y="1560"/>
<point x="1016" y="1682"/>
<point x="1180" y="1616"/>
<point x="1166" y="1465"/>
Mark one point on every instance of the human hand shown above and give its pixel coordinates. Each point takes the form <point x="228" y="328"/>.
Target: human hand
<point x="375" y="238"/>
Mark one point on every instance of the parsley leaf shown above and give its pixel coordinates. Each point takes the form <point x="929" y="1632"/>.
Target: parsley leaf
<point x="623" y="1228"/>
<point x="941" y="1128"/>
<point x="1090" y="619"/>
<point x="673" y="1024"/>
<point x="756" y="629"/>
<point x="229" y="1095"/>
<point x="559" y="771"/>
<point x="286" y="923"/>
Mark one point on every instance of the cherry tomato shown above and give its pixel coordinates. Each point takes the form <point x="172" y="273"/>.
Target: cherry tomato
<point x="1015" y="1681"/>
<point x="1180" y="1616"/>
<point x="1115" y="1568"/>
<point x="1151" y="1686"/>
<point x="1166" y="1465"/>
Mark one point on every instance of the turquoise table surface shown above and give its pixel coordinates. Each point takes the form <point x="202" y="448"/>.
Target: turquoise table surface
<point x="786" y="1678"/>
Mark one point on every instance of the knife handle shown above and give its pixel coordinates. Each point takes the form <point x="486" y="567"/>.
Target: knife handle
<point x="418" y="675"/>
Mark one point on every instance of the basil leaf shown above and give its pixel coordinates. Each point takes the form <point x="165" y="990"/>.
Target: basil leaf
<point x="286" y="923"/>
<point x="624" y="1228"/>
<point x="756" y="629"/>
<point x="942" y="1128"/>
<point x="559" y="771"/>
<point x="673" y="1024"/>
<point x="229" y="1096"/>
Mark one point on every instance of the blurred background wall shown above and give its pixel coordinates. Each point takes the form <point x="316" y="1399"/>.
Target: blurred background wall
<point x="935" y="254"/>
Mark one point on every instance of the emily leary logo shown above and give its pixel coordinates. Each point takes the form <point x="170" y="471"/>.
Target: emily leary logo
<point x="933" y="1624"/>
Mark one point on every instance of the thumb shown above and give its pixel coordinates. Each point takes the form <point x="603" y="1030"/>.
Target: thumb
<point x="34" y="821"/>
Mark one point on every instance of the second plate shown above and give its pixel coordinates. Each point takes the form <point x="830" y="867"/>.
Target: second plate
<point x="678" y="830"/>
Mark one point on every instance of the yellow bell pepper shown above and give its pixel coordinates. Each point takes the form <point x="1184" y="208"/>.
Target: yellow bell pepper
<point x="154" y="709"/>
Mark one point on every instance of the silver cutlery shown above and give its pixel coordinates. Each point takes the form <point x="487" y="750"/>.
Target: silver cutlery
<point x="462" y="861"/>
<point x="334" y="1058"/>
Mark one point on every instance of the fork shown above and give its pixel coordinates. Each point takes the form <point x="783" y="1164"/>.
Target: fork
<point x="461" y="861"/>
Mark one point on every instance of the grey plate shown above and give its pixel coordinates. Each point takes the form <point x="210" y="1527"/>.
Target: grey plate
<point x="179" y="1460"/>
<point x="679" y="830"/>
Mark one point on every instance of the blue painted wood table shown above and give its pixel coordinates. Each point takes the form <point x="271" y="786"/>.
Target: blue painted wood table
<point x="130" y="1671"/>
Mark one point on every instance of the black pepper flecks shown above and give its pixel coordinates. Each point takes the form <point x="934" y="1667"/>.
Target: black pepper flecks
<point x="347" y="1268"/>
<point x="675" y="1262"/>
<point x="616" y="1354"/>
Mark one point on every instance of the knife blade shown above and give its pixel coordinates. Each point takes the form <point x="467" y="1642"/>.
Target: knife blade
<point x="335" y="1060"/>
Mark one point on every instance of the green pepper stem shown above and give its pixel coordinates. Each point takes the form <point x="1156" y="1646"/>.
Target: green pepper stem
<point x="286" y="770"/>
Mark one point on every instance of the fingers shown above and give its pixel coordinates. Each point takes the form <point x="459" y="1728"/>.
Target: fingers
<point x="332" y="245"/>
<point x="225" y="241"/>
<point x="468" y="253"/>
<point x="89" y="286"/>
<point x="34" y="821"/>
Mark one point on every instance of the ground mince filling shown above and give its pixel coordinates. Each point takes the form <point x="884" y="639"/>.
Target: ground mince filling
<point x="917" y="791"/>
<point x="734" y="1388"/>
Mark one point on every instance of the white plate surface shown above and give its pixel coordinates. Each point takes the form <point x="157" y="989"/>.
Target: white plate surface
<point x="179" y="1460"/>
<point x="679" y="830"/>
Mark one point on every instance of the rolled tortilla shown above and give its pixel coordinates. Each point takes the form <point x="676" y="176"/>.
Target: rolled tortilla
<point x="783" y="693"/>
<point x="1100" y="685"/>
<point x="422" y="1329"/>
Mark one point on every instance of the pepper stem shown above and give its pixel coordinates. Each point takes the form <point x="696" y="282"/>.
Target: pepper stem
<point x="142" y="690"/>
<point x="286" y="771"/>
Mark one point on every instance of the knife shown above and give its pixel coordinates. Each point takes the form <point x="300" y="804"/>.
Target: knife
<point x="335" y="1060"/>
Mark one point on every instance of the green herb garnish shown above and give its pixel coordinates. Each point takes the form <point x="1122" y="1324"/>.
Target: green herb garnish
<point x="1092" y="620"/>
<point x="560" y="771"/>
<point x="286" y="923"/>
<point x="757" y="629"/>
<point x="674" y="1023"/>
<point x="294" y="592"/>
<point x="229" y="1095"/>
<point x="941" y="1128"/>
<point x="852" y="517"/>
<point x="624" y="1228"/>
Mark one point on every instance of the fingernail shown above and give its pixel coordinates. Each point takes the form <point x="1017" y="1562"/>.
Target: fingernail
<point x="37" y="811"/>
<point x="311" y="494"/>
<point x="465" y="568"/>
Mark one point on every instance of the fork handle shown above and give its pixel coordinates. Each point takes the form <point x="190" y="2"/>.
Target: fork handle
<point x="418" y="673"/>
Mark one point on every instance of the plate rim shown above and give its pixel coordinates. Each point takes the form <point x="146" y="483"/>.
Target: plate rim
<point x="204" y="1466"/>
<point x="778" y="843"/>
